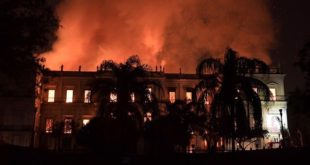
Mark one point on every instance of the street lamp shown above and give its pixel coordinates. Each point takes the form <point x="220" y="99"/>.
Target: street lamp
<point x="280" y="110"/>
<point x="282" y="131"/>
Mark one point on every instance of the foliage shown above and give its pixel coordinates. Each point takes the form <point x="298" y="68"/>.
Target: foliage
<point x="171" y="133"/>
<point x="303" y="63"/>
<point x="298" y="112"/>
<point x="123" y="117"/>
<point x="230" y="85"/>
<point x="27" y="29"/>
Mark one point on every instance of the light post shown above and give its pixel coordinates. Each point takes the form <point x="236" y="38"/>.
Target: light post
<point x="280" y="110"/>
<point x="282" y="131"/>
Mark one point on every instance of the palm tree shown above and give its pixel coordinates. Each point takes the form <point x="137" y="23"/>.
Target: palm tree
<point x="122" y="118"/>
<point x="230" y="85"/>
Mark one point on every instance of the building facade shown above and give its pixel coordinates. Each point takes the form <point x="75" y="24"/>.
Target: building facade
<point x="64" y="105"/>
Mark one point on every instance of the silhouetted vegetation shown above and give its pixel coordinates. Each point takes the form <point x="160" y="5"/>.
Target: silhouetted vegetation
<point x="298" y="102"/>
<point x="228" y="87"/>
<point x="27" y="29"/>
<point x="120" y="122"/>
<point x="223" y="108"/>
<point x="171" y="133"/>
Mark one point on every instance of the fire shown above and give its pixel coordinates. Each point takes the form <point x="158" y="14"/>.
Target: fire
<point x="172" y="33"/>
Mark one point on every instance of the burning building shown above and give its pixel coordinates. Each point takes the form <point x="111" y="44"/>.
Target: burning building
<point x="64" y="105"/>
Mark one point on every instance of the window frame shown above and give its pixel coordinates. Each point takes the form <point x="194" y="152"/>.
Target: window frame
<point x="69" y="99"/>
<point x="87" y="96"/>
<point x="50" y="96"/>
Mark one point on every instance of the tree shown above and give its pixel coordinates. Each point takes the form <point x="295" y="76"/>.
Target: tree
<point x="303" y="63"/>
<point x="233" y="99"/>
<point x="27" y="29"/>
<point x="298" y="112"/>
<point x="171" y="133"/>
<point x="122" y="119"/>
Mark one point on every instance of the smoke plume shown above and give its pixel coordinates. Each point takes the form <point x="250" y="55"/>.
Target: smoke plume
<point x="174" y="33"/>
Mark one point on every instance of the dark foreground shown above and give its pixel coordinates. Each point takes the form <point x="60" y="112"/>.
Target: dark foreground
<point x="18" y="155"/>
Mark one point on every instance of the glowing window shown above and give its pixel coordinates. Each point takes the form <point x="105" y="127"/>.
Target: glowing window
<point x="255" y="90"/>
<point x="188" y="97"/>
<point x="68" y="126"/>
<point x="148" y="116"/>
<point x="85" y="121"/>
<point x="132" y="97"/>
<point x="113" y="97"/>
<point x="49" y="126"/>
<point x="273" y="92"/>
<point x="273" y="123"/>
<point x="149" y="94"/>
<point x="69" y="96"/>
<point x="172" y="96"/>
<point x="87" y="94"/>
<point x="51" y="96"/>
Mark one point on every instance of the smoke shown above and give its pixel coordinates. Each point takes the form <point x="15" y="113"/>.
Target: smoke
<point x="174" y="33"/>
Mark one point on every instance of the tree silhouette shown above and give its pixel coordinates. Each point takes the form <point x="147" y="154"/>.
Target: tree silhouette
<point x="171" y="133"/>
<point x="27" y="30"/>
<point x="233" y="100"/>
<point x="298" y="113"/>
<point x="120" y="122"/>
<point x="303" y="63"/>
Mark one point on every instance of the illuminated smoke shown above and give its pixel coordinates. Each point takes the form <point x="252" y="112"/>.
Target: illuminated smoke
<point x="174" y="33"/>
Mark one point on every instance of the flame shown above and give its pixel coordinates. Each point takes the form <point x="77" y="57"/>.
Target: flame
<point x="172" y="33"/>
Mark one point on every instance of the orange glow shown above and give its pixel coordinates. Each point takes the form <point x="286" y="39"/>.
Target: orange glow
<point x="169" y="33"/>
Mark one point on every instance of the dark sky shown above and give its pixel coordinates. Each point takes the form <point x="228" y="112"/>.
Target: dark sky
<point x="292" y="20"/>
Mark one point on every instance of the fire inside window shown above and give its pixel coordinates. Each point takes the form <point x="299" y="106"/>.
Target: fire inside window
<point x="87" y="94"/>
<point x="51" y="96"/>
<point x="188" y="97"/>
<point x="68" y="126"/>
<point x="273" y="92"/>
<point x="49" y="126"/>
<point x="85" y="121"/>
<point x="69" y="96"/>
<point x="113" y="97"/>
<point x="172" y="96"/>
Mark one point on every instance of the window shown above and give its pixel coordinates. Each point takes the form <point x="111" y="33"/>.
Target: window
<point x="273" y="123"/>
<point x="255" y="90"/>
<point x="148" y="116"/>
<point x="49" y="126"/>
<point x="69" y="96"/>
<point x="149" y="93"/>
<point x="172" y="96"/>
<point x="188" y="97"/>
<point x="51" y="96"/>
<point x="87" y="94"/>
<point x="273" y="92"/>
<point x="68" y="126"/>
<point x="113" y="97"/>
<point x="85" y="122"/>
<point x="132" y="97"/>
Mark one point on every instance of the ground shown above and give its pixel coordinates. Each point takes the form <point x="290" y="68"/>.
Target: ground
<point x="20" y="155"/>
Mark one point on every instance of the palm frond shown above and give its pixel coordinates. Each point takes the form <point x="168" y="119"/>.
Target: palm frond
<point x="263" y="89"/>
<point x="209" y="66"/>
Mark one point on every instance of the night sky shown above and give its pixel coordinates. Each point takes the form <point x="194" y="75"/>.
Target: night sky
<point x="171" y="39"/>
<point x="292" y="24"/>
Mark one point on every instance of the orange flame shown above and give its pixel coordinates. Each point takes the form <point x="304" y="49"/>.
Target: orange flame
<point x="173" y="33"/>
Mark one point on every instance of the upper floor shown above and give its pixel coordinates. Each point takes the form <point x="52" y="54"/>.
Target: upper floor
<point x="73" y="87"/>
